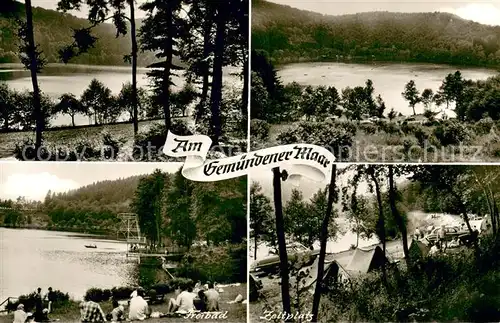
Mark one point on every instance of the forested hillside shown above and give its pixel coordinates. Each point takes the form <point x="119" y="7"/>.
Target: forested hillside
<point x="209" y="211"/>
<point x="54" y="30"/>
<point x="93" y="206"/>
<point x="290" y="35"/>
<point x="90" y="208"/>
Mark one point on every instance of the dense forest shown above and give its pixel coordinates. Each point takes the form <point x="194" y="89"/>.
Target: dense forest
<point x="173" y="210"/>
<point x="54" y="30"/>
<point x="290" y="35"/>
<point x="167" y="205"/>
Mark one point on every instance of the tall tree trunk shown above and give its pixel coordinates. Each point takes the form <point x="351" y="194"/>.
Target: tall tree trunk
<point x="134" y="65"/>
<point x="244" y="25"/>
<point x="216" y="95"/>
<point x="280" y="233"/>
<point x="73" y="120"/>
<point x="34" y="80"/>
<point x="158" y="219"/>
<point x="381" y="220"/>
<point x="397" y="216"/>
<point x="255" y="249"/>
<point x="494" y="218"/>
<point x="207" y="32"/>
<point x="166" y="69"/>
<point x="493" y="212"/>
<point x="244" y="96"/>
<point x="463" y="209"/>
<point x="357" y="237"/>
<point x="323" y="240"/>
<point x="490" y="200"/>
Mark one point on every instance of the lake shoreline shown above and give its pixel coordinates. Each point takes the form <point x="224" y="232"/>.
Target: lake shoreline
<point x="79" y="127"/>
<point x="388" y="79"/>
<point x="104" y="234"/>
<point x="278" y="64"/>
<point x="126" y="67"/>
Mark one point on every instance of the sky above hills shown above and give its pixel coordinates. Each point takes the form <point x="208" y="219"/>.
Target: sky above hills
<point x="485" y="11"/>
<point x="52" y="4"/>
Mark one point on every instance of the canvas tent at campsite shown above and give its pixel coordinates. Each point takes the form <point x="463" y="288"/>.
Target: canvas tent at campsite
<point x="345" y="265"/>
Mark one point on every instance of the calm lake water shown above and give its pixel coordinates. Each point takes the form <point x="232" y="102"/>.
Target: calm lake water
<point x="388" y="79"/>
<point x="36" y="258"/>
<point x="59" y="79"/>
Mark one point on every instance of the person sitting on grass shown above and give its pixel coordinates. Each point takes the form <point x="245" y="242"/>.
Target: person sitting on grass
<point x="118" y="312"/>
<point x="212" y="298"/>
<point x="20" y="316"/>
<point x="200" y="302"/>
<point x="184" y="302"/>
<point x="139" y="308"/>
<point x="45" y="315"/>
<point x="91" y="311"/>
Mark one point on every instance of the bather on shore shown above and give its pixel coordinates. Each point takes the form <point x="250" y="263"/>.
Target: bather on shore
<point x="184" y="301"/>
<point x="20" y="316"/>
<point x="91" y="311"/>
<point x="139" y="308"/>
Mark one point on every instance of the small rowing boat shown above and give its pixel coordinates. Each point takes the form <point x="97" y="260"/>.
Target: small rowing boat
<point x="91" y="246"/>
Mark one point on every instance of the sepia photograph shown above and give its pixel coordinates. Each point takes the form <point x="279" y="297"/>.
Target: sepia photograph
<point x="373" y="81"/>
<point x="376" y="243"/>
<point x="107" y="80"/>
<point x="95" y="242"/>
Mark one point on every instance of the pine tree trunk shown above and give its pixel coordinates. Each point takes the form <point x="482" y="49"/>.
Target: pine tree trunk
<point x="166" y="70"/>
<point x="280" y="233"/>
<point x="207" y="30"/>
<point x="134" y="66"/>
<point x="34" y="79"/>
<point x="381" y="221"/>
<point x="255" y="249"/>
<point x="494" y="217"/>
<point x="244" y="96"/>
<point x="397" y="215"/>
<point x="323" y="240"/>
<point x="463" y="209"/>
<point x="216" y="95"/>
<point x="490" y="200"/>
<point x="244" y="31"/>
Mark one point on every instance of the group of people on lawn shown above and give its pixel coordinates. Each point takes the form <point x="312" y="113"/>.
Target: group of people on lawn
<point x="187" y="300"/>
<point x="41" y="314"/>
